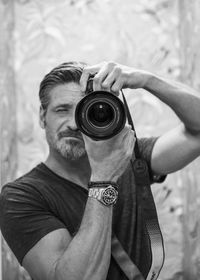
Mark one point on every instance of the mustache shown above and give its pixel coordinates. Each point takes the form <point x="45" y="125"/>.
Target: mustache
<point x="68" y="133"/>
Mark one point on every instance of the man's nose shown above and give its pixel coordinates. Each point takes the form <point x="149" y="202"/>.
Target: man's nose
<point x="72" y="124"/>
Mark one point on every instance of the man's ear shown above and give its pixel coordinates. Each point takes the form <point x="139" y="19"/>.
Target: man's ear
<point x="42" y="117"/>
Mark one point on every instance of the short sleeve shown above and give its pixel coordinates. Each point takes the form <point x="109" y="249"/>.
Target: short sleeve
<point x="146" y="147"/>
<point x="24" y="218"/>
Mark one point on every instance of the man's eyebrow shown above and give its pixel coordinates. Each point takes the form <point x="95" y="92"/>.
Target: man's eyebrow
<point x="66" y="106"/>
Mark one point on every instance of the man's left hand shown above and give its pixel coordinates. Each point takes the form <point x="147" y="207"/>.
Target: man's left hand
<point x="111" y="76"/>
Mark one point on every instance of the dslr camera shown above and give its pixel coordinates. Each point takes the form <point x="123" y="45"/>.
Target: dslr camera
<point x="100" y="114"/>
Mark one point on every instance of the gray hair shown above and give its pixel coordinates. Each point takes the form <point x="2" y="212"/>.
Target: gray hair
<point x="64" y="73"/>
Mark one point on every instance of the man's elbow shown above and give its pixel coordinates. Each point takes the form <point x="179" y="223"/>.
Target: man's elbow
<point x="193" y="131"/>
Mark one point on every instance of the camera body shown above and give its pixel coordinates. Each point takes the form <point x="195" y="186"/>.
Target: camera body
<point x="100" y="114"/>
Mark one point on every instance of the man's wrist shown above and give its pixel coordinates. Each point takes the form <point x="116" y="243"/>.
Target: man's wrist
<point x="150" y="81"/>
<point x="140" y="79"/>
<point x="102" y="179"/>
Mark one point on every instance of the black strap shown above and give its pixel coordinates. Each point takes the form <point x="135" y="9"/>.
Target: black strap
<point x="123" y="260"/>
<point x="146" y="202"/>
<point x="130" y="121"/>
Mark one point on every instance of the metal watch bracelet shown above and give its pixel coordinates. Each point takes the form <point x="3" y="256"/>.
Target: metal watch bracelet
<point x="106" y="195"/>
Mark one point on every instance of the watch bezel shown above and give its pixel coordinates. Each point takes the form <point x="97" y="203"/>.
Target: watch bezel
<point x="104" y="196"/>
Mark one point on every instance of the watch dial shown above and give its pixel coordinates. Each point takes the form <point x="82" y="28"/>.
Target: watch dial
<point x="109" y="196"/>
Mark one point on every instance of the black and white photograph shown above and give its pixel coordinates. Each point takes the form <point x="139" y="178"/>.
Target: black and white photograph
<point x="99" y="140"/>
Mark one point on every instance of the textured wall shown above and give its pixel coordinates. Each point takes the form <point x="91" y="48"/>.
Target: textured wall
<point x="137" y="33"/>
<point x="7" y="113"/>
<point x="190" y="66"/>
<point x="8" y="132"/>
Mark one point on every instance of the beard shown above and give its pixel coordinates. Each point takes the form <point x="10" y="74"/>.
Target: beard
<point x="69" y="148"/>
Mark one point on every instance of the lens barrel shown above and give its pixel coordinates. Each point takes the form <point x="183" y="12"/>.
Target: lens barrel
<point x="100" y="115"/>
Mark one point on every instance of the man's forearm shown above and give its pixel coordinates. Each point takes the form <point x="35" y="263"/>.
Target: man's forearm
<point x="180" y="98"/>
<point x="88" y="254"/>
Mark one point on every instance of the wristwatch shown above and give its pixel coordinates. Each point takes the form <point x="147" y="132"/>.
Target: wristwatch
<point x="107" y="195"/>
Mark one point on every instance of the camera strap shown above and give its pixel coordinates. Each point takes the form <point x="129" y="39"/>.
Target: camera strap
<point x="145" y="202"/>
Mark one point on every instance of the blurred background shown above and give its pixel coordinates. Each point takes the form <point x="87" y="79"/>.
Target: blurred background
<point x="161" y="36"/>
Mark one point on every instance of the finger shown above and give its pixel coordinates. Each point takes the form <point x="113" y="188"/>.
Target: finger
<point x="117" y="86"/>
<point x="86" y="138"/>
<point x="113" y="77"/>
<point x="129" y="141"/>
<point x="83" y="80"/>
<point x="122" y="134"/>
<point x="100" y="77"/>
<point x="87" y="71"/>
<point x="106" y="76"/>
<point x="126" y="130"/>
<point x="115" y="81"/>
<point x="108" y="81"/>
<point x="87" y="141"/>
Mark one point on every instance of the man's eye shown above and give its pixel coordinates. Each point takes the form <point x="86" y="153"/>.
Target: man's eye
<point x="62" y="110"/>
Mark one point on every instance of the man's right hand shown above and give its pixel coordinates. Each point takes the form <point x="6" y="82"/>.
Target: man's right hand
<point x="109" y="158"/>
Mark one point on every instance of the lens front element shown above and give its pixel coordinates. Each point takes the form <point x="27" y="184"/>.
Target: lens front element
<point x="100" y="114"/>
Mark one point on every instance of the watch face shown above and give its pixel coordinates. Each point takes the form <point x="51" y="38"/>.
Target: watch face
<point x="109" y="196"/>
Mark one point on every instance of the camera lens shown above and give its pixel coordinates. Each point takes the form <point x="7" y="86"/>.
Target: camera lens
<point x="100" y="114"/>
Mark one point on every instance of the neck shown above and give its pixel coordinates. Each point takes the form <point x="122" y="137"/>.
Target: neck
<point x="77" y="171"/>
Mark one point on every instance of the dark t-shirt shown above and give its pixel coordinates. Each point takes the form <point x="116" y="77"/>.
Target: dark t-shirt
<point x="41" y="201"/>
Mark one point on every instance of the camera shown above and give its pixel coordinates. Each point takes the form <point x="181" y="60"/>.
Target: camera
<point x="100" y="114"/>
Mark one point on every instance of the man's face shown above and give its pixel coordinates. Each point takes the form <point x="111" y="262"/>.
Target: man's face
<point x="59" y="122"/>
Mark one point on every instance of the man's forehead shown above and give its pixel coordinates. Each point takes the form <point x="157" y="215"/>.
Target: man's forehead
<point x="69" y="92"/>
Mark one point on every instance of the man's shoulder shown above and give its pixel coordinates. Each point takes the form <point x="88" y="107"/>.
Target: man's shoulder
<point x="30" y="180"/>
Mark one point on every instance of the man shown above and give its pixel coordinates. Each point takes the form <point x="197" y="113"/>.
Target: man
<point x="53" y="227"/>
